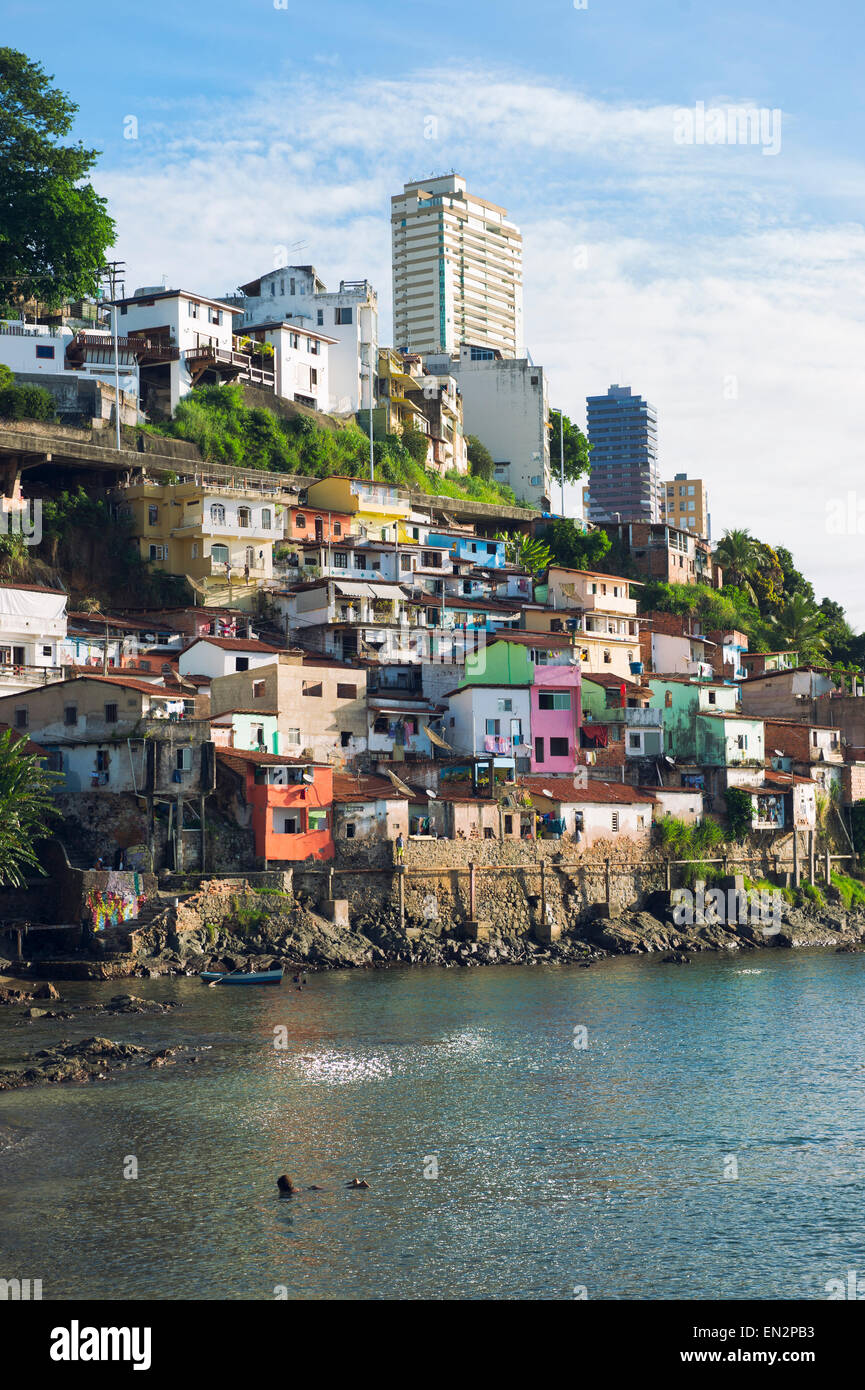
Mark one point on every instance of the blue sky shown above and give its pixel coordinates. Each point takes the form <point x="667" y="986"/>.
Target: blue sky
<point x="724" y="284"/>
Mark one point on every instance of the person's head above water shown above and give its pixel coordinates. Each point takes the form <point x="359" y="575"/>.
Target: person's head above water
<point x="285" y="1185"/>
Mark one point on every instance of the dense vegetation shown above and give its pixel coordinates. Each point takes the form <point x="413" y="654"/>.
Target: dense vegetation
<point x="226" y="430"/>
<point x="25" y="809"/>
<point x="766" y="597"/>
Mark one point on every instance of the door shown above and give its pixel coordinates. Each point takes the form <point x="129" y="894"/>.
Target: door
<point x="319" y="529"/>
<point x="516" y="733"/>
<point x="539" y="750"/>
<point x="18" y="656"/>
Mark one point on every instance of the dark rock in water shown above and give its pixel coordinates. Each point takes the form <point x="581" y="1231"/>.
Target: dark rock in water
<point x="88" y="1060"/>
<point x="676" y="958"/>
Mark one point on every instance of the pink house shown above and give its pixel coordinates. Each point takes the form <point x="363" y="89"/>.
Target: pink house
<point x="556" y="713"/>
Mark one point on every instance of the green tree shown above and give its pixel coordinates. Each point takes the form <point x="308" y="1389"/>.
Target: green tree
<point x="800" y="627"/>
<point x="25" y="809"/>
<point x="527" y="551"/>
<point x="736" y="553"/>
<point x="794" y="582"/>
<point x="577" y="448"/>
<point x="416" y="443"/>
<point x="481" y="462"/>
<point x="767" y="579"/>
<point x="54" y="228"/>
<point x="574" y="548"/>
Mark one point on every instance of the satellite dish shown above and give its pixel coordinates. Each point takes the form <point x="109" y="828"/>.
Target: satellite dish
<point x="308" y="777"/>
<point x="431" y="795"/>
<point x="546" y="792"/>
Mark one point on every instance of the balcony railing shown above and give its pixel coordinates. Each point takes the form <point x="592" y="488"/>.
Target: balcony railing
<point x="230" y="363"/>
<point x="638" y="718"/>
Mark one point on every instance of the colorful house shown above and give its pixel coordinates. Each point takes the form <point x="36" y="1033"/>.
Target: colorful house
<point x="618" y="712"/>
<point x="288" y="802"/>
<point x="555" y="719"/>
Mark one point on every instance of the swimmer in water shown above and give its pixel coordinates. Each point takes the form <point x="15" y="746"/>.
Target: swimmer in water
<point x="286" y="1186"/>
<point x="357" y="1182"/>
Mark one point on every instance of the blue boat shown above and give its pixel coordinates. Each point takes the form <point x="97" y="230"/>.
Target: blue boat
<point x="255" y="977"/>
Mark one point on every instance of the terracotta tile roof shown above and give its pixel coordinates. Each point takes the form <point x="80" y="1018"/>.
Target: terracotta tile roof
<point x="370" y="788"/>
<point x="31" y="749"/>
<point x="236" y="644"/>
<point x="596" y="792"/>
<point x="243" y="756"/>
<point x="532" y="639"/>
<point x="33" y="588"/>
<point x="224" y="713"/>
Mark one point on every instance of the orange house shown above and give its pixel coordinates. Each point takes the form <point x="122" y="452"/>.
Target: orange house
<point x="291" y="802"/>
<point x="315" y="524"/>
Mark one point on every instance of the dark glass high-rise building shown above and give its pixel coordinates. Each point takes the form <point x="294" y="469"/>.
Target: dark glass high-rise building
<point x="624" y="484"/>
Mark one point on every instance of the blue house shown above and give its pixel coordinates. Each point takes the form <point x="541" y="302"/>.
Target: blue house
<point x="472" y="550"/>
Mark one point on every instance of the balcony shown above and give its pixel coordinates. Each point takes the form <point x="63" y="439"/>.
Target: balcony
<point x="234" y="366"/>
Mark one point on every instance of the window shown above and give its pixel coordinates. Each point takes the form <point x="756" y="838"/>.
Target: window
<point x="111" y="714"/>
<point x="554" y="699"/>
<point x="493" y="728"/>
<point x="337" y="528"/>
<point x="217" y="514"/>
<point x="312" y="688"/>
<point x="102" y="759"/>
<point x="290" y="825"/>
<point x="559" y="748"/>
<point x="244" y="517"/>
<point x="607" y="658"/>
<point x="319" y="318"/>
<point x="249" y="557"/>
<point x="183" y="759"/>
<point x="506" y="705"/>
<point x="342" y="315"/>
<point x="292" y="736"/>
<point x="46" y="651"/>
<point x="192" y="308"/>
<point x="346" y="692"/>
<point x="214" y="315"/>
<point x="241" y="663"/>
<point x="219" y="554"/>
<point x="44" y="351"/>
<point x="193" y="551"/>
<point x="21" y="717"/>
<point x="350" y="828"/>
<point x="614" y="821"/>
<point x="317" y="820"/>
<point x="635" y="742"/>
<point x="300" y="521"/>
<point x="157" y="552"/>
<point x="668" y="699"/>
<point x="340" y="559"/>
<point x="266" y="519"/>
<point x="152" y="515"/>
<point x="405" y="562"/>
<point x="258" y="690"/>
<point x="712" y="699"/>
<point x="509" y="825"/>
<point x="345" y="739"/>
<point x="539" y="750"/>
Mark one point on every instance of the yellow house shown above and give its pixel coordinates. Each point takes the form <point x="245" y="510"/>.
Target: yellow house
<point x="597" y="612"/>
<point x="204" y="532"/>
<point x="398" y="408"/>
<point x="377" y="509"/>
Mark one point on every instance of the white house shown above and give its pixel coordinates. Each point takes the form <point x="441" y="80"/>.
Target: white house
<point x="32" y="631"/>
<point x="300" y="361"/>
<point x="505" y="406"/>
<point x="348" y="315"/>
<point x="190" y="339"/>
<point x="222" y="656"/>
<point x="490" y="720"/>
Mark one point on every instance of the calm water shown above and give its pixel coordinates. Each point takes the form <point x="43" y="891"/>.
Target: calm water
<point x="557" y="1166"/>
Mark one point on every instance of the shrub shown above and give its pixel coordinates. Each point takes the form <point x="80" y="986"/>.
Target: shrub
<point x="26" y="403"/>
<point x="739" y="813"/>
<point x="850" y="890"/>
<point x="810" y="893"/>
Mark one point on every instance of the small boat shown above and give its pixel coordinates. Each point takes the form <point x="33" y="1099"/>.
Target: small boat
<point x="255" y="977"/>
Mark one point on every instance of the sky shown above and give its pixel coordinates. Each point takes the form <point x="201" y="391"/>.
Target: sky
<point x="721" y="279"/>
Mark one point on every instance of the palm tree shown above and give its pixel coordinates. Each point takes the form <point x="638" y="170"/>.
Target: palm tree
<point x="738" y="557"/>
<point x="799" y="627"/>
<point x="533" y="555"/>
<point x="25" y="808"/>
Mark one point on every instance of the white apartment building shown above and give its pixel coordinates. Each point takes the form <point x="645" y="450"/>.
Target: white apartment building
<point x="349" y="316"/>
<point x="505" y="406"/>
<point x="457" y="270"/>
<point x="32" y="632"/>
